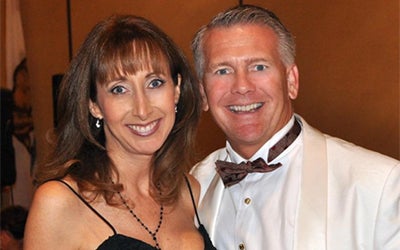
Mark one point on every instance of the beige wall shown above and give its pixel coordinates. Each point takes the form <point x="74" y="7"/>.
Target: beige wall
<point x="348" y="55"/>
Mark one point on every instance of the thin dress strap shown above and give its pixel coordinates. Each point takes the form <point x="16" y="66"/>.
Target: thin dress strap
<point x="194" y="203"/>
<point x="88" y="205"/>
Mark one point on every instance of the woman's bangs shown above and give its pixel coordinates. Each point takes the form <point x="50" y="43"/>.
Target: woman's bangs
<point x="129" y="59"/>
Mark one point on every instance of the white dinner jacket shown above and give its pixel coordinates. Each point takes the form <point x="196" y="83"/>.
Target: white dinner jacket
<point x="349" y="197"/>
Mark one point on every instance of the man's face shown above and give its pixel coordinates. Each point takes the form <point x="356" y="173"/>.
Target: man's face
<point x="247" y="86"/>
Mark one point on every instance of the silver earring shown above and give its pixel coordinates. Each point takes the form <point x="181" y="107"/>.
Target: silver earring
<point x="98" y="123"/>
<point x="176" y="109"/>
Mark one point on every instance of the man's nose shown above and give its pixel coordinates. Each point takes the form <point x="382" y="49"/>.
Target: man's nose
<point x="242" y="84"/>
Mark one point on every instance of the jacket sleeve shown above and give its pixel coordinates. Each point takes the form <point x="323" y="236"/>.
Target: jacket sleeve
<point x="387" y="231"/>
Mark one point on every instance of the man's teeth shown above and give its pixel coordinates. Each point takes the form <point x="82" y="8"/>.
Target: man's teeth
<point x="144" y="129"/>
<point x="245" y="108"/>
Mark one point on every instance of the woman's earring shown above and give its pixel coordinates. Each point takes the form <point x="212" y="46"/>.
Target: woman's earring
<point x="176" y="109"/>
<point x="98" y="123"/>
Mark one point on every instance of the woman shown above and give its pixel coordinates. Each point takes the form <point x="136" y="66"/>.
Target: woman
<point x="116" y="179"/>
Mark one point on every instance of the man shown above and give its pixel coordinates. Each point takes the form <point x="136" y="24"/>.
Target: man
<point x="317" y="192"/>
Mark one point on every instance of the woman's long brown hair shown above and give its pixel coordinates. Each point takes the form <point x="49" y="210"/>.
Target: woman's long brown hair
<point x="120" y="45"/>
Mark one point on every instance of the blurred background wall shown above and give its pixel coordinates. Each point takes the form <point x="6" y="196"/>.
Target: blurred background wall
<point x="348" y="57"/>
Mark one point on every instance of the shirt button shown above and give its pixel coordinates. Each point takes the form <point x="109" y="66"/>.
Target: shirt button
<point x="247" y="201"/>
<point x="241" y="246"/>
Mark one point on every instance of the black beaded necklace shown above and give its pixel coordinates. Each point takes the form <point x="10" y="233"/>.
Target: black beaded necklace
<point x="153" y="234"/>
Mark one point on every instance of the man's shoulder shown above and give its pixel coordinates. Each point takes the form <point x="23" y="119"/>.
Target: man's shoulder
<point x="341" y="150"/>
<point x="351" y="152"/>
<point x="208" y="162"/>
<point x="204" y="170"/>
<point x="211" y="158"/>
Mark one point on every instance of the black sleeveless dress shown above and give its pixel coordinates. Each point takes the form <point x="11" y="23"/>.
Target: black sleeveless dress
<point x="122" y="242"/>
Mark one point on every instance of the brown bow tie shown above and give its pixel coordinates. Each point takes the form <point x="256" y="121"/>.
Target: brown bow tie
<point x="232" y="173"/>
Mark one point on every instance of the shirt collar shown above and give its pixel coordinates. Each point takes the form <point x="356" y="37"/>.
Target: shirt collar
<point x="263" y="151"/>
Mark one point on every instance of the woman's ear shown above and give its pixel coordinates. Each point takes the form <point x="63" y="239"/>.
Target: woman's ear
<point x="178" y="89"/>
<point x="95" y="110"/>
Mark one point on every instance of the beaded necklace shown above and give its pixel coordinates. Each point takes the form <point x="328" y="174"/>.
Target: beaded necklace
<point x="153" y="234"/>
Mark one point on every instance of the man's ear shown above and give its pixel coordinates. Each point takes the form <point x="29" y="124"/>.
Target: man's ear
<point x="95" y="110"/>
<point x="204" y="97"/>
<point x="292" y="76"/>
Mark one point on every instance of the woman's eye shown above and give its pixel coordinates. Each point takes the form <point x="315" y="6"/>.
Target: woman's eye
<point x="118" y="90"/>
<point x="156" y="83"/>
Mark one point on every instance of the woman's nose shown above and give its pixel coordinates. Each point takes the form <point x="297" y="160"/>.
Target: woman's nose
<point x="142" y="107"/>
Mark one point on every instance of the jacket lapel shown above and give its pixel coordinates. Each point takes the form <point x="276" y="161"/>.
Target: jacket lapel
<point x="312" y="216"/>
<point x="212" y="200"/>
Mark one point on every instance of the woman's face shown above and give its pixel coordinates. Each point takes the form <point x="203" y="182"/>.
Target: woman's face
<point x="138" y="110"/>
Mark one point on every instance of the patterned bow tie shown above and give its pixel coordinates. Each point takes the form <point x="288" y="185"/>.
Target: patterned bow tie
<point x="232" y="173"/>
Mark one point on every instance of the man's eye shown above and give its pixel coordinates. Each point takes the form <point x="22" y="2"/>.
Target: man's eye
<point x="222" y="72"/>
<point x="156" y="83"/>
<point x="118" y="90"/>
<point x="259" y="67"/>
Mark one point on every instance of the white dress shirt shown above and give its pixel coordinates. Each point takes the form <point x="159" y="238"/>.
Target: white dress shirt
<point x="260" y="211"/>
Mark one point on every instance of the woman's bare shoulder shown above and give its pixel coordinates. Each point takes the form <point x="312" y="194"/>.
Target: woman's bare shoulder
<point x="53" y="213"/>
<point x="195" y="187"/>
<point x="54" y="194"/>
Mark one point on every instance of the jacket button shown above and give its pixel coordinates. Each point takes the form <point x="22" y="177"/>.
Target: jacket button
<point x="241" y="246"/>
<point x="247" y="201"/>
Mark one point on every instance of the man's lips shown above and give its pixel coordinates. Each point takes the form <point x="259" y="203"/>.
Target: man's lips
<point x="245" y="108"/>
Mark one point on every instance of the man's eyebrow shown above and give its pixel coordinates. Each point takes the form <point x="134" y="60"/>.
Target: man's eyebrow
<point x="257" y="59"/>
<point x="217" y="65"/>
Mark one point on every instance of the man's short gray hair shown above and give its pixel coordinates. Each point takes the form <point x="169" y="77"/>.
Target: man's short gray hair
<point x="245" y="14"/>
